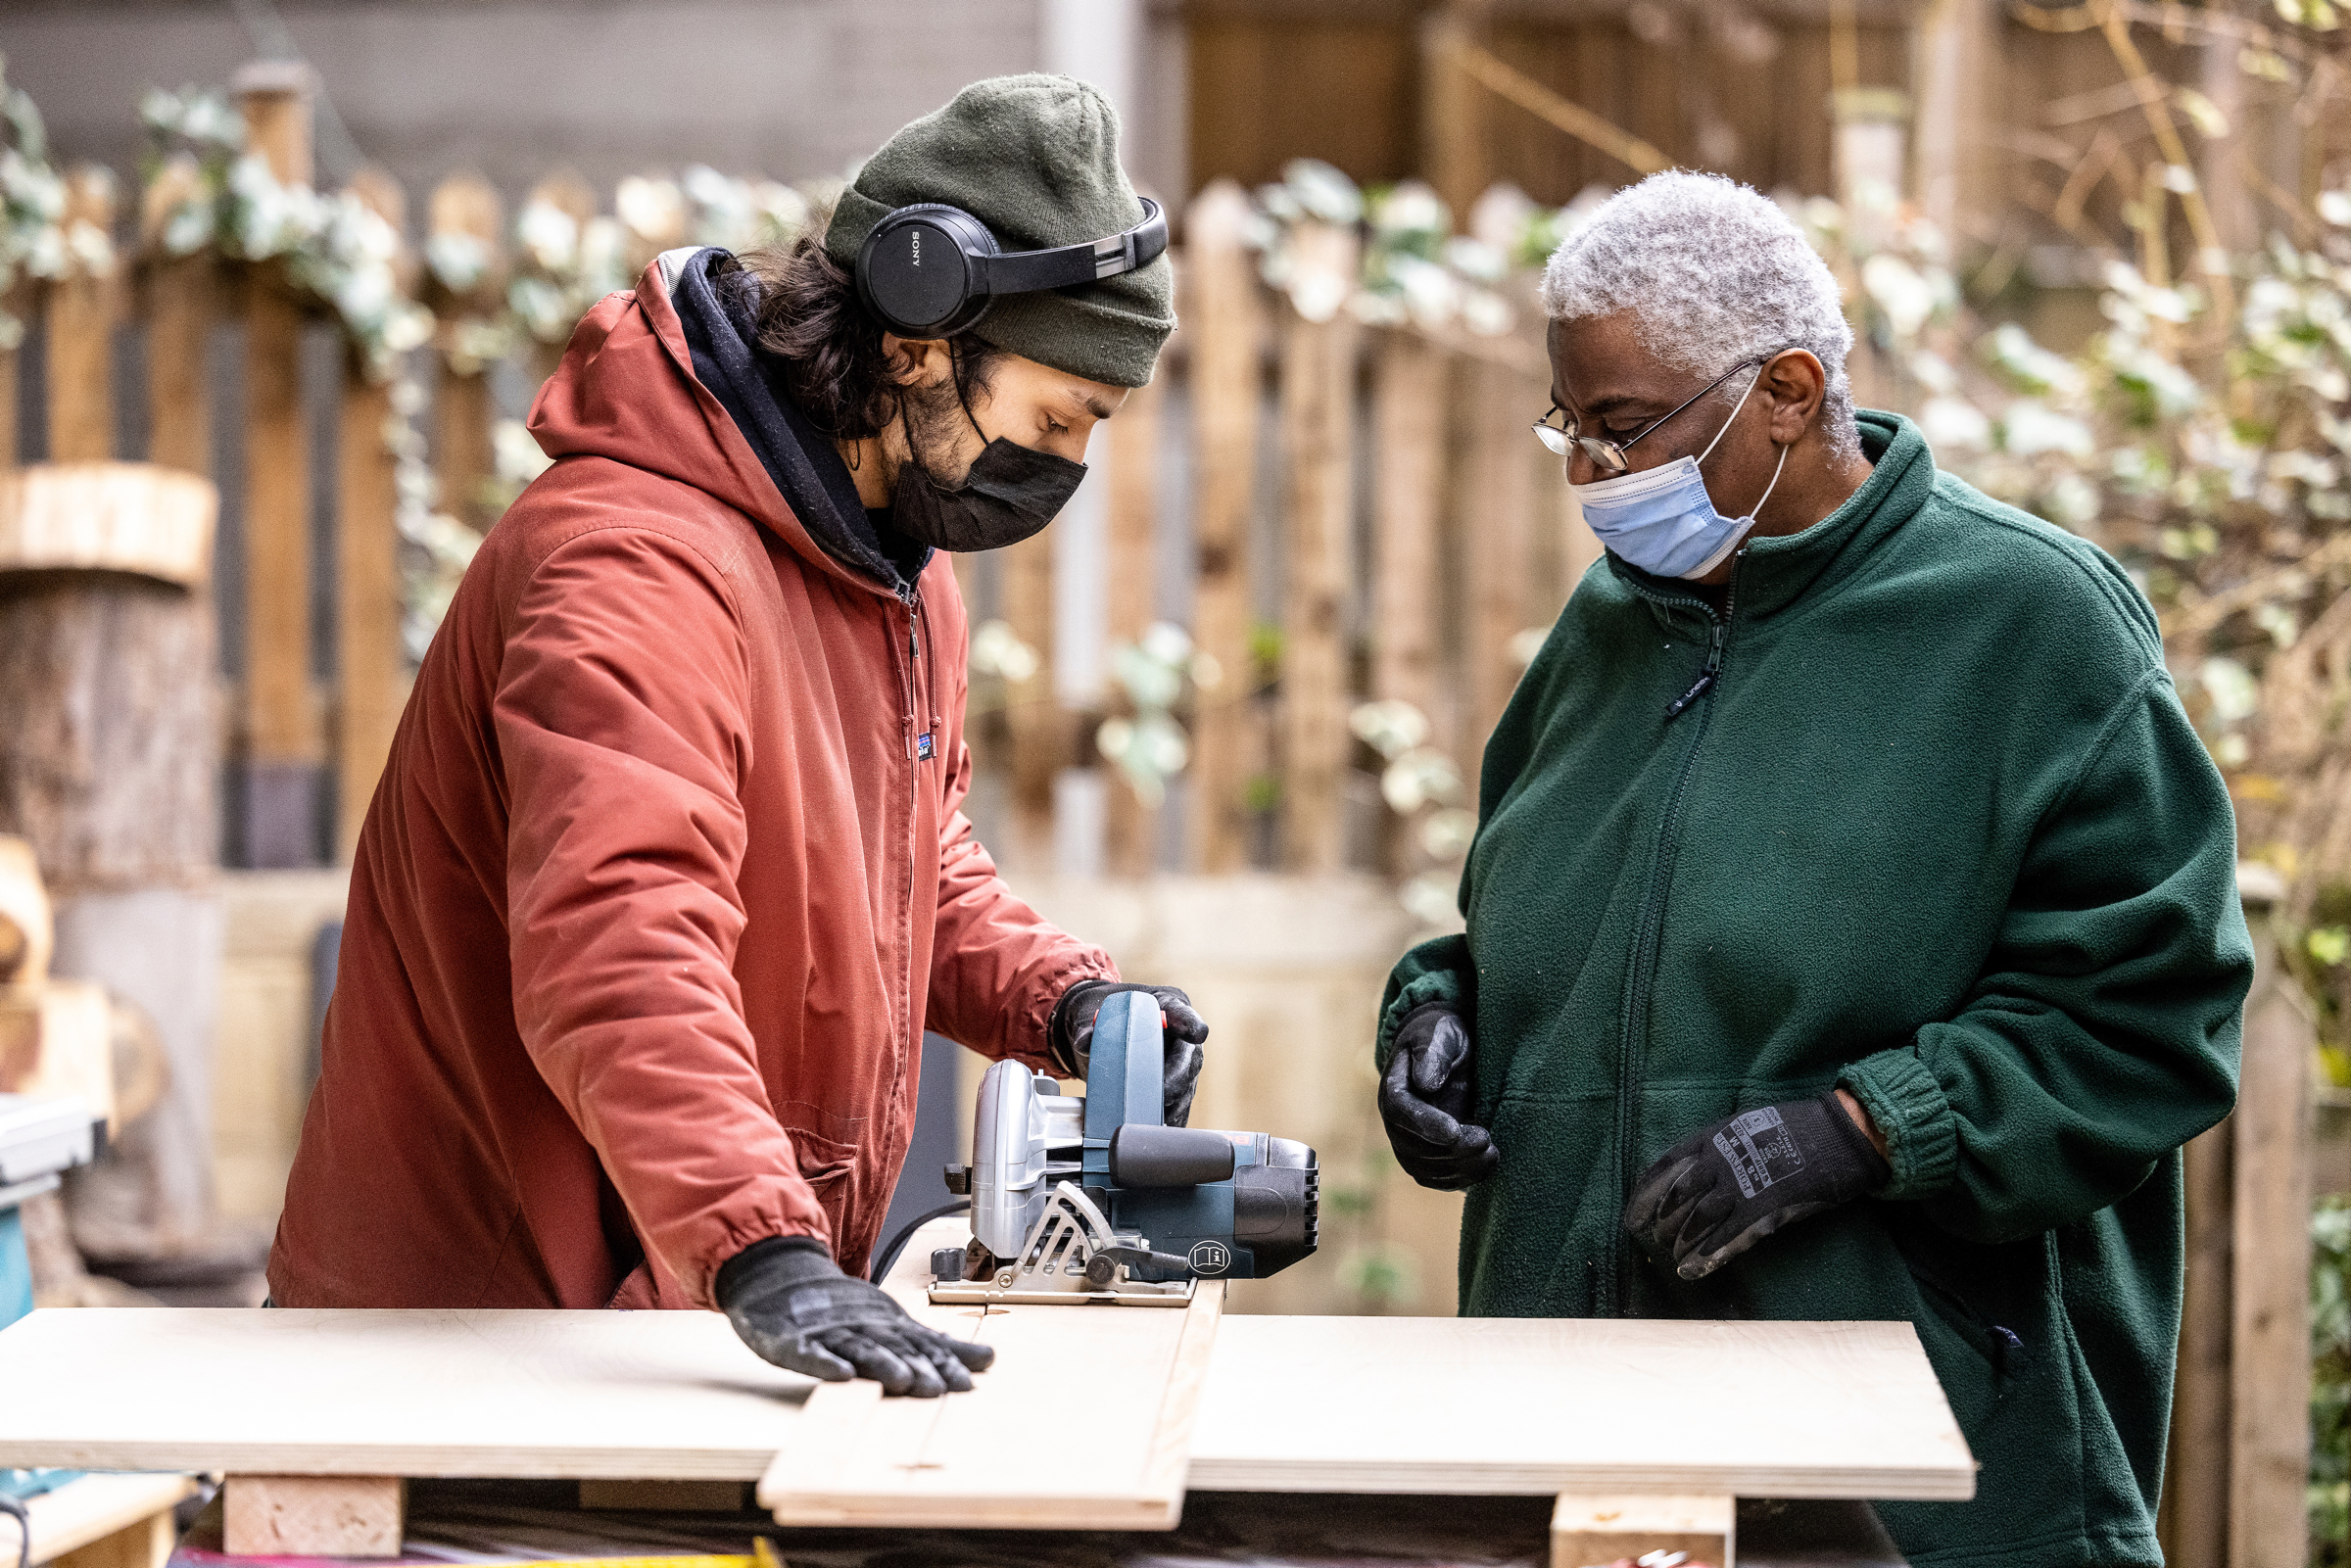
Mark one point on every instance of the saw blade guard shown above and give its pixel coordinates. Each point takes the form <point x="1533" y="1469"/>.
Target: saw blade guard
<point x="1027" y="1134"/>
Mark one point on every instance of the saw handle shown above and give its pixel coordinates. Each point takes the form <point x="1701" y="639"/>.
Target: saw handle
<point x="1146" y="1155"/>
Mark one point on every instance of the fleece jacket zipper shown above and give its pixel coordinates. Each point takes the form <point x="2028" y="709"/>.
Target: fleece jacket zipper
<point x="1648" y="928"/>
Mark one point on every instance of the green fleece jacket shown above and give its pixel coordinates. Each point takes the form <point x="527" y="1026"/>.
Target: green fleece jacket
<point x="1920" y="815"/>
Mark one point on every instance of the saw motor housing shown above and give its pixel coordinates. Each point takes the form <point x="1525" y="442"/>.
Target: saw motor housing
<point x="1097" y="1199"/>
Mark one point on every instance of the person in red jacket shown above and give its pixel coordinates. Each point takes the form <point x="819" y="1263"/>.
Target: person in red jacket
<point x="668" y="871"/>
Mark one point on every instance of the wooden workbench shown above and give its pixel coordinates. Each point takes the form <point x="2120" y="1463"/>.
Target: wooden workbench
<point x="1095" y="1417"/>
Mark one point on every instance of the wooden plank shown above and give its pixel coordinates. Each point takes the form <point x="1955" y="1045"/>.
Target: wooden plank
<point x="2269" y="1460"/>
<point x="281" y="730"/>
<point x="1039" y="728"/>
<point x="18" y="304"/>
<point x="966" y="1461"/>
<point x="1224" y="329"/>
<point x="1317" y="449"/>
<point x="551" y="1394"/>
<point x="1500" y="498"/>
<point x="183" y="301"/>
<point x="115" y="1514"/>
<point x="1608" y="1527"/>
<point x="370" y="668"/>
<point x="1545" y="1406"/>
<point x="82" y="309"/>
<point x="1132" y="834"/>
<point x="1409" y="411"/>
<point x="313" y="1516"/>
<point x="1408" y="415"/>
<point x="2194" y="1517"/>
<point x="465" y="207"/>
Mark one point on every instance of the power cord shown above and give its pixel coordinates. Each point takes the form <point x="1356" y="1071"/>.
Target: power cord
<point x="10" y="1505"/>
<point x="897" y="1243"/>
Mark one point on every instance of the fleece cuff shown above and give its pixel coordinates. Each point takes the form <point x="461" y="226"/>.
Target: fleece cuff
<point x="1922" y="1135"/>
<point x="1437" y="985"/>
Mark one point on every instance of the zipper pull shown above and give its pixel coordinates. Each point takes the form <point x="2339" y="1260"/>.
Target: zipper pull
<point x="1706" y="677"/>
<point x="1681" y="704"/>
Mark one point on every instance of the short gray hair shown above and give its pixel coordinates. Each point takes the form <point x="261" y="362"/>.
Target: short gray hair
<point x="1717" y="276"/>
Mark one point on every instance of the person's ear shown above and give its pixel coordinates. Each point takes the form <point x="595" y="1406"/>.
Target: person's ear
<point x="1796" y="384"/>
<point x="916" y="362"/>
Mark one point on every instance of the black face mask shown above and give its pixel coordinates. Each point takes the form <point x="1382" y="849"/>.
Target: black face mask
<point x="1009" y="494"/>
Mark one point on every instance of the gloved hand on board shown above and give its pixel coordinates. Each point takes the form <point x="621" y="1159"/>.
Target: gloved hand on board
<point x="794" y="1306"/>
<point x="1070" y="1038"/>
<point x="1726" y="1187"/>
<point x="1424" y="1099"/>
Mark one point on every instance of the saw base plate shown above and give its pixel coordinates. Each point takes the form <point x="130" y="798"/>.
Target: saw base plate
<point x="968" y="1294"/>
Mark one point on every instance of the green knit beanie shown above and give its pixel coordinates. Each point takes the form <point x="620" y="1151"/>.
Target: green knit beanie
<point x="1037" y="160"/>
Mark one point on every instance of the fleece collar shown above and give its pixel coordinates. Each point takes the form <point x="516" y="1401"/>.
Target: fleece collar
<point x="719" y="316"/>
<point x="1778" y="575"/>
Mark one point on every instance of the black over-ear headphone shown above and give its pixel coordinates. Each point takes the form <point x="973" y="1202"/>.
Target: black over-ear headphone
<point x="931" y="271"/>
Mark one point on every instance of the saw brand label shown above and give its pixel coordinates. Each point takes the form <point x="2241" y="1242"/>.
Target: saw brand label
<point x="1759" y="1150"/>
<point x="1208" y="1258"/>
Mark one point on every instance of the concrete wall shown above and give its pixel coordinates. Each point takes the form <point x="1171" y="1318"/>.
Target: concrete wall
<point x="516" y="89"/>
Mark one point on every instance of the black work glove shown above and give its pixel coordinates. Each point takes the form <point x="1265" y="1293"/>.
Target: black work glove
<point x="1424" y="1100"/>
<point x="793" y="1305"/>
<point x="1070" y="1038"/>
<point x="1721" y="1190"/>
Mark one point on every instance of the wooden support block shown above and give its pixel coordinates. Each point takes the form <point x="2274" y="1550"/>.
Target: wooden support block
<point x="672" y="1497"/>
<point x="104" y="1521"/>
<point x="314" y="1516"/>
<point x="146" y="1543"/>
<point x="1588" y="1528"/>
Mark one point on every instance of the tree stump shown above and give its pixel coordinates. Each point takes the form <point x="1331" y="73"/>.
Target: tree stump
<point x="110" y="767"/>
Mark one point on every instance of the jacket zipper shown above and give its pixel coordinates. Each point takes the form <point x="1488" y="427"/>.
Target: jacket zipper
<point x="914" y="798"/>
<point x="1648" y="929"/>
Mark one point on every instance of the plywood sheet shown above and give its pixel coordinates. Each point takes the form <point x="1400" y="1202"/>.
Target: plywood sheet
<point x="638" y="1395"/>
<point x="1084" y="1422"/>
<point x="1291" y="1404"/>
<point x="1522" y="1406"/>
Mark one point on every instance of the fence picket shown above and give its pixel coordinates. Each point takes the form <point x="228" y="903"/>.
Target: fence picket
<point x="1409" y="411"/>
<point x="1131" y="831"/>
<point x="1495" y="526"/>
<point x="370" y="685"/>
<point x="1228" y="372"/>
<point x="1317" y="435"/>
<point x="81" y="319"/>
<point x="464" y="205"/>
<point x="279" y="799"/>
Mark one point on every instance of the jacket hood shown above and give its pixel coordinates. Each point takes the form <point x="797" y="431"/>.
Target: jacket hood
<point x="626" y="391"/>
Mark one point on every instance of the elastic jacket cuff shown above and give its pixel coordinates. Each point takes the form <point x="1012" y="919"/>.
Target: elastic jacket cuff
<point x="1922" y="1135"/>
<point x="732" y="1273"/>
<point x="1437" y="985"/>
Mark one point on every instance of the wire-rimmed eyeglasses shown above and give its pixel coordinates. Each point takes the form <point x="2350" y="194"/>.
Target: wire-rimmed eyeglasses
<point x="1608" y="456"/>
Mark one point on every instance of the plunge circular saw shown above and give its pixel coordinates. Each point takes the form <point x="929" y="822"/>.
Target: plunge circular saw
<point x="1098" y="1200"/>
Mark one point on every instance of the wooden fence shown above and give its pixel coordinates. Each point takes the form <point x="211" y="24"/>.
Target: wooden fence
<point x="1365" y="512"/>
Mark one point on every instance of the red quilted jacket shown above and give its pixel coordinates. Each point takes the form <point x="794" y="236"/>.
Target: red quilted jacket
<point x="659" y="890"/>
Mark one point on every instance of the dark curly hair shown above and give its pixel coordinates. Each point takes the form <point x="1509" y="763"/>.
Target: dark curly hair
<point x="811" y="318"/>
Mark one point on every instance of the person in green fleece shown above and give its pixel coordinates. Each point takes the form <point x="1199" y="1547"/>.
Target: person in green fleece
<point x="1851" y="922"/>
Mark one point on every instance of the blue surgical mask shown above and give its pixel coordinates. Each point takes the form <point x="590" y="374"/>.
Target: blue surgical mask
<point x="1662" y="520"/>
